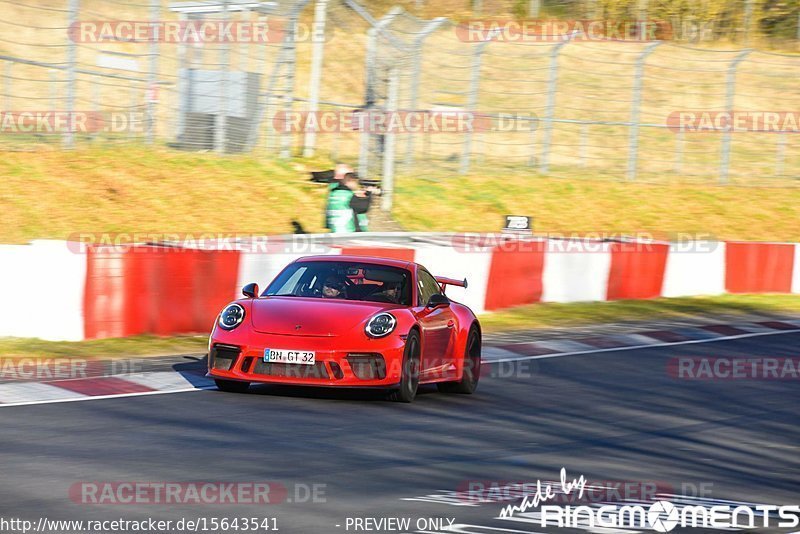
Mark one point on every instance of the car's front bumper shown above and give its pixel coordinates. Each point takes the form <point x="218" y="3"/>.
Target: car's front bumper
<point x="339" y="362"/>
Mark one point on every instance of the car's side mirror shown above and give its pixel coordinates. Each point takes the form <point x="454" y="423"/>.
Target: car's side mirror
<point x="250" y="291"/>
<point x="437" y="299"/>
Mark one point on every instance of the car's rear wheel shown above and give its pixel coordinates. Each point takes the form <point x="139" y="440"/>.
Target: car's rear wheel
<point x="409" y="380"/>
<point x="472" y="367"/>
<point x="231" y="386"/>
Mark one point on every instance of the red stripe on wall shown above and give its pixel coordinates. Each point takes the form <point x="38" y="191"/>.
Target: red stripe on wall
<point x="759" y="267"/>
<point x="157" y="290"/>
<point x="515" y="275"/>
<point x="104" y="293"/>
<point x="405" y="254"/>
<point x="637" y="270"/>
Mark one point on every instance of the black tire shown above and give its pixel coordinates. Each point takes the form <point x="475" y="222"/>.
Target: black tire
<point x="231" y="386"/>
<point x="409" y="379"/>
<point x="472" y="367"/>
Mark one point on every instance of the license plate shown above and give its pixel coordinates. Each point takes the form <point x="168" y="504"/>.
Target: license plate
<point x="302" y="357"/>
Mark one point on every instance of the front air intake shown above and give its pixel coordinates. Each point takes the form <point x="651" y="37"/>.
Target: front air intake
<point x="222" y="357"/>
<point x="367" y="366"/>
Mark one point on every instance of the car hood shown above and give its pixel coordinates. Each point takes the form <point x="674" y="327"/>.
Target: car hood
<point x="314" y="316"/>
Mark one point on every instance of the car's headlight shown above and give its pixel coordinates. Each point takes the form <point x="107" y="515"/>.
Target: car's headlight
<point x="381" y="325"/>
<point x="231" y="317"/>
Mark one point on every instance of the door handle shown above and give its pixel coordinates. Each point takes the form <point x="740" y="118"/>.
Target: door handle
<point x="451" y="323"/>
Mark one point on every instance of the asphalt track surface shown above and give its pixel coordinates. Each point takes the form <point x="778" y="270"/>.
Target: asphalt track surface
<point x="607" y="416"/>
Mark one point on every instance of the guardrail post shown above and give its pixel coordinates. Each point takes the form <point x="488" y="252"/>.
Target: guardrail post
<point x="318" y="50"/>
<point x="387" y="184"/>
<point x="72" y="60"/>
<point x="636" y="104"/>
<point x="550" y="106"/>
<point x="419" y="42"/>
<point x="472" y="99"/>
<point x="730" y="96"/>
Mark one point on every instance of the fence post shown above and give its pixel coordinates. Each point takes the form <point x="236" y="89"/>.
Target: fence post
<point x="52" y="76"/>
<point x="96" y="97"/>
<point x="155" y="14"/>
<point x="780" y="157"/>
<point x="387" y="184"/>
<point x="7" y="86"/>
<point x="72" y="59"/>
<point x="182" y="85"/>
<point x="288" y="94"/>
<point x="220" y="133"/>
<point x="748" y="16"/>
<point x="584" y="142"/>
<point x="415" y="75"/>
<point x="318" y="33"/>
<point x="132" y="106"/>
<point x="363" y="141"/>
<point x="730" y="95"/>
<point x="636" y="104"/>
<point x="369" y="86"/>
<point x="679" y="141"/>
<point x="552" y="78"/>
<point x="472" y="99"/>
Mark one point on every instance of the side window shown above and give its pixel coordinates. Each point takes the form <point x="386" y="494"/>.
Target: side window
<point x="427" y="286"/>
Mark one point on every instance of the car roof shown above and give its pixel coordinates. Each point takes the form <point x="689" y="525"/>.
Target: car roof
<point x="391" y="262"/>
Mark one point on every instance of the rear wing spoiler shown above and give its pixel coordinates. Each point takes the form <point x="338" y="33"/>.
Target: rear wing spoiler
<point x="444" y="282"/>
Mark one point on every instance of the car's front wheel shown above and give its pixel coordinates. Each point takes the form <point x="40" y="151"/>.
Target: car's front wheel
<point x="472" y="367"/>
<point x="231" y="386"/>
<point x="409" y="380"/>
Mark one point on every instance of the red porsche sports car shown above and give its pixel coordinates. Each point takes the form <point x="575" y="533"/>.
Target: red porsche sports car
<point x="348" y="321"/>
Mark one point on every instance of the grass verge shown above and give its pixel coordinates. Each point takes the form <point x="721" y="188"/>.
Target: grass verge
<point x="524" y="317"/>
<point x="597" y="313"/>
<point x="55" y="194"/>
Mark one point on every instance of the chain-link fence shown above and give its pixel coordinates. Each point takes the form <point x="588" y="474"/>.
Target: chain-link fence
<point x="396" y="93"/>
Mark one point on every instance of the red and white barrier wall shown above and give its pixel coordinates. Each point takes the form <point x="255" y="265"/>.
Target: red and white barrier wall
<point x="65" y="291"/>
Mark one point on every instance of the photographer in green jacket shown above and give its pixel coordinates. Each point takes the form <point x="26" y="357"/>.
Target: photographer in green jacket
<point x="347" y="206"/>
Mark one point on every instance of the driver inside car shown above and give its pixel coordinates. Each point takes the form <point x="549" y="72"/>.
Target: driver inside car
<point x="333" y="287"/>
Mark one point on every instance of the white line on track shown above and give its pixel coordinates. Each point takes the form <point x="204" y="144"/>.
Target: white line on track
<point x="114" y="396"/>
<point x="501" y="360"/>
<point x="634" y="347"/>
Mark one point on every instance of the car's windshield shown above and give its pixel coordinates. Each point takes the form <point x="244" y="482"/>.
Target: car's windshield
<point x="344" y="280"/>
